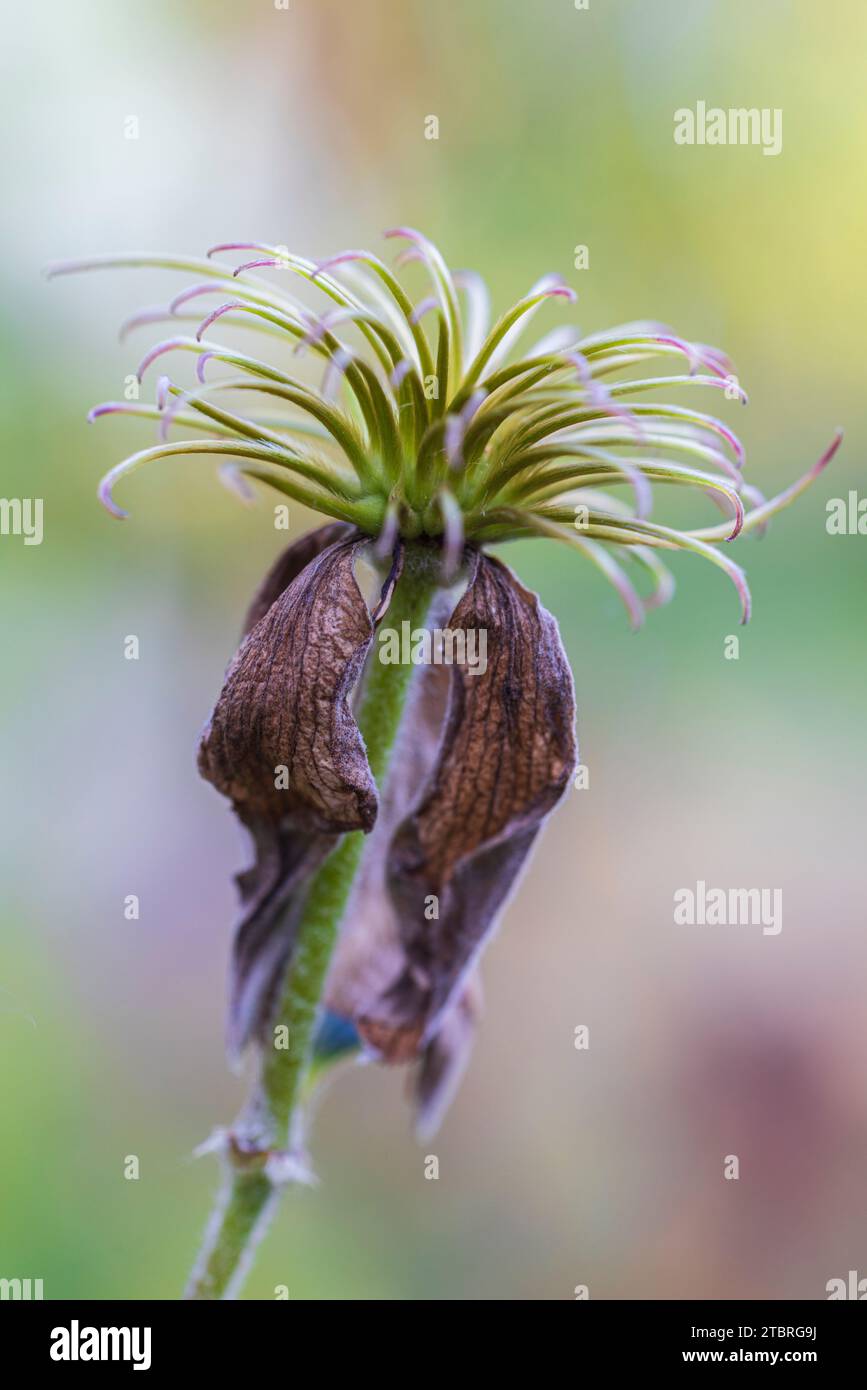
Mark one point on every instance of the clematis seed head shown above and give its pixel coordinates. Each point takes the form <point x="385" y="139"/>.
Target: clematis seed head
<point x="425" y="434"/>
<point x="431" y="420"/>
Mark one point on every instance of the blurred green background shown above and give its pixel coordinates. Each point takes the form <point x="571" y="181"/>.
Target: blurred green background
<point x="558" y="1167"/>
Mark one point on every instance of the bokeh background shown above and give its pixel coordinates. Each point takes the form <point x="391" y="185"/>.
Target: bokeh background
<point x="305" y="126"/>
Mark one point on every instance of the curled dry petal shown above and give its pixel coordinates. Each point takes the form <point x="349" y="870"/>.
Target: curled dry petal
<point x="283" y="745"/>
<point x="285" y="705"/>
<point x="504" y="758"/>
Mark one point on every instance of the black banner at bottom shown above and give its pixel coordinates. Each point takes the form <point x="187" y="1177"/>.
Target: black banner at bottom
<point x="66" y="1338"/>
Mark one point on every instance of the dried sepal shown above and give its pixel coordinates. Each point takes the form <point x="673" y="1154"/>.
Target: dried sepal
<point x="283" y="745"/>
<point x="504" y="758"/>
<point x="282" y="742"/>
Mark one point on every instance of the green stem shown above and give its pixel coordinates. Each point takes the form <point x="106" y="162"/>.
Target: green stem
<point x="253" y="1177"/>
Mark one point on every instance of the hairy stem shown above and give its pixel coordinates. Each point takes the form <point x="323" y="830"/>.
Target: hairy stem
<point x="255" y="1169"/>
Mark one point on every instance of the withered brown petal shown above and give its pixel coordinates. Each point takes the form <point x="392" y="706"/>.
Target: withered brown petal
<point x="505" y="759"/>
<point x="285" y="704"/>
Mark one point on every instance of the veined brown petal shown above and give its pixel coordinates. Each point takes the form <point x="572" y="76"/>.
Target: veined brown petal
<point x="283" y="745"/>
<point x="285" y="705"/>
<point x="505" y="758"/>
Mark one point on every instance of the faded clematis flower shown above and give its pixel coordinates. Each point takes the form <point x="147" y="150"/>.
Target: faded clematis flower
<point x="482" y="762"/>
<point x="430" y="437"/>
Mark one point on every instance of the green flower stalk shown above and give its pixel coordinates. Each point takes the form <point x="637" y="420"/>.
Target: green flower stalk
<point x="392" y="802"/>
